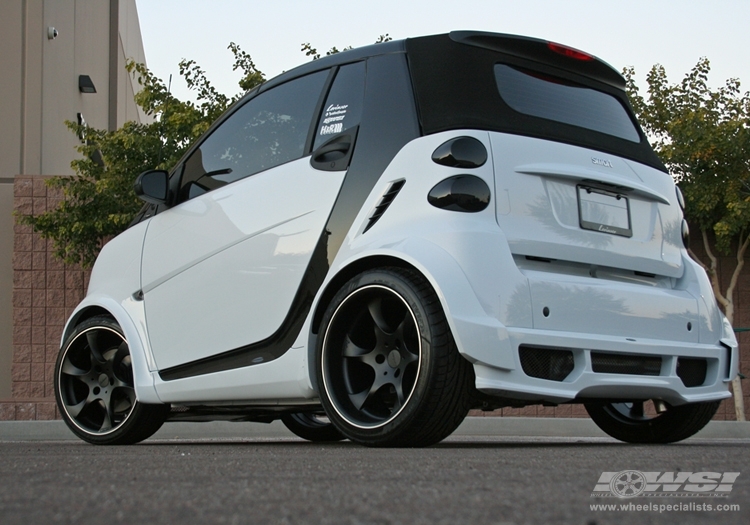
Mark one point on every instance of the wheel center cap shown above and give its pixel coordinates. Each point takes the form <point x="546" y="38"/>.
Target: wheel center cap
<point x="394" y="358"/>
<point x="104" y="380"/>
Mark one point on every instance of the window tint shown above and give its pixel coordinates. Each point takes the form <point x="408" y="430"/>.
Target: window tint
<point x="555" y="99"/>
<point x="343" y="107"/>
<point x="269" y="130"/>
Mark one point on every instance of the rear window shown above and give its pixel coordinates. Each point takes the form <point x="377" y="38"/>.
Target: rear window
<point x="519" y="86"/>
<point x="563" y="101"/>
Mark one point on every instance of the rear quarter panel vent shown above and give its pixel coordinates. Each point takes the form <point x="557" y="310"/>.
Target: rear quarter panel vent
<point x="384" y="202"/>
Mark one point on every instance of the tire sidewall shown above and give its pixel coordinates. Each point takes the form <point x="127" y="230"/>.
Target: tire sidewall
<point x="415" y="403"/>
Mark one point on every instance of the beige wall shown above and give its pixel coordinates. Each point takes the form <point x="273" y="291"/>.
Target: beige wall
<point x="39" y="92"/>
<point x="130" y="46"/>
<point x="39" y="85"/>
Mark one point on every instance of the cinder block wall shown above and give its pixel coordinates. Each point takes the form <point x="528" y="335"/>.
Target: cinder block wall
<point x="45" y="291"/>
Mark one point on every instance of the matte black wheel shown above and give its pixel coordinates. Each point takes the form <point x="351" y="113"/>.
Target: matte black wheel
<point x="389" y="372"/>
<point x="94" y="387"/>
<point x="312" y="427"/>
<point x="634" y="423"/>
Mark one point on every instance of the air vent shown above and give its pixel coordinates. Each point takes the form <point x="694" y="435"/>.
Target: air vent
<point x="385" y="201"/>
<point x="691" y="371"/>
<point x="546" y="363"/>
<point x="637" y="365"/>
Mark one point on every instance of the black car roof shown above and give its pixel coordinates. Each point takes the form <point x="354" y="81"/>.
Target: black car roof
<point x="344" y="57"/>
<point x="518" y="46"/>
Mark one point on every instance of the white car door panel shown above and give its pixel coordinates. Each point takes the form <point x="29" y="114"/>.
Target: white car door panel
<point x="220" y="271"/>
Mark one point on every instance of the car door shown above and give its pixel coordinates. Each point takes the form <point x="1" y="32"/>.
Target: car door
<point x="226" y="272"/>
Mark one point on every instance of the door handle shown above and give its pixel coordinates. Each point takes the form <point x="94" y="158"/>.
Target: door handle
<point x="332" y="151"/>
<point x="336" y="153"/>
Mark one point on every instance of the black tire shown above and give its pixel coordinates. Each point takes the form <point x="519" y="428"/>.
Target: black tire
<point x="389" y="373"/>
<point x="311" y="427"/>
<point x="628" y="421"/>
<point x="94" y="387"/>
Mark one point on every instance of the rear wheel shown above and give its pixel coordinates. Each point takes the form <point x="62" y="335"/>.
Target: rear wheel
<point x="312" y="427"/>
<point x="95" y="390"/>
<point x="389" y="372"/>
<point x="633" y="422"/>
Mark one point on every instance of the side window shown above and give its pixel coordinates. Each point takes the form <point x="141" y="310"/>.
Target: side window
<point x="343" y="107"/>
<point x="267" y="131"/>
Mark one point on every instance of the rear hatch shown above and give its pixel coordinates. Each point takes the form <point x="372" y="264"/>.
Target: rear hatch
<point x="575" y="203"/>
<point x="560" y="202"/>
<point x="588" y="209"/>
<point x="576" y="179"/>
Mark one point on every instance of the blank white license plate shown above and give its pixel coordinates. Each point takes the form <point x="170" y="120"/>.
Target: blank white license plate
<point x="604" y="211"/>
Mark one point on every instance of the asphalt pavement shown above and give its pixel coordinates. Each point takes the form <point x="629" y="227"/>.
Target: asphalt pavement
<point x="492" y="470"/>
<point x="472" y="426"/>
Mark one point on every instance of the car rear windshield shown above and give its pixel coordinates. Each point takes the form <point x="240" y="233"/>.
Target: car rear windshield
<point x="563" y="101"/>
<point x="518" y="85"/>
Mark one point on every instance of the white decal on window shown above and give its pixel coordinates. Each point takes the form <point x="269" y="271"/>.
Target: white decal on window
<point x="333" y="119"/>
<point x="331" y="128"/>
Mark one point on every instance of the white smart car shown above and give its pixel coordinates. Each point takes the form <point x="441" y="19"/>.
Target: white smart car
<point x="376" y="242"/>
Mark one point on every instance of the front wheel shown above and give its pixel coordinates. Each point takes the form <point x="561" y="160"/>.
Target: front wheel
<point x="95" y="390"/>
<point x="312" y="427"/>
<point x="638" y="422"/>
<point x="389" y="372"/>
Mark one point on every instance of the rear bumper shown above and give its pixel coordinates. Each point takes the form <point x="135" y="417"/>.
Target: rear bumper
<point x="593" y="314"/>
<point x="585" y="378"/>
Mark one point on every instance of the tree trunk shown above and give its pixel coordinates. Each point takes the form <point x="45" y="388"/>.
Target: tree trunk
<point x="726" y="301"/>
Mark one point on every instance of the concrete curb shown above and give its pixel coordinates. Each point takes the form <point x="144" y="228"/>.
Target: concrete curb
<point x="472" y="426"/>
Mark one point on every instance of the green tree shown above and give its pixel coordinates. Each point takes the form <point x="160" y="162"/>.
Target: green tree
<point x="99" y="202"/>
<point x="703" y="137"/>
<point x="310" y="51"/>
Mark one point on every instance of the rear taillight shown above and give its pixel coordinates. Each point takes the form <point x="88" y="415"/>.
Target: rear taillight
<point x="680" y="198"/>
<point x="685" y="234"/>
<point x="569" y="52"/>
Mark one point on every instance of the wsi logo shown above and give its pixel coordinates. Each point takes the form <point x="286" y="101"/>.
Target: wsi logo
<point x="601" y="162"/>
<point x="632" y="483"/>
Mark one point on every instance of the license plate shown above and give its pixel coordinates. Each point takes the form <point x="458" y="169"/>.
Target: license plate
<point x="604" y="211"/>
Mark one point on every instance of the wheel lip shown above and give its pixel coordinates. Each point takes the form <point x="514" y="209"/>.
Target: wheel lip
<point x="324" y="367"/>
<point x="68" y="417"/>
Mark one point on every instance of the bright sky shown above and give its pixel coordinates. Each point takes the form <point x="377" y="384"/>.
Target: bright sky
<point x="641" y="33"/>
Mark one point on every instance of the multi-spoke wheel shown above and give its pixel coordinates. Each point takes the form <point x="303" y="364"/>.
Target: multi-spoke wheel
<point x="95" y="390"/>
<point x="389" y="373"/>
<point x="312" y="426"/>
<point x="651" y="421"/>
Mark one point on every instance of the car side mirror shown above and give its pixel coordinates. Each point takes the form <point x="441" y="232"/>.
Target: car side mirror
<point x="152" y="186"/>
